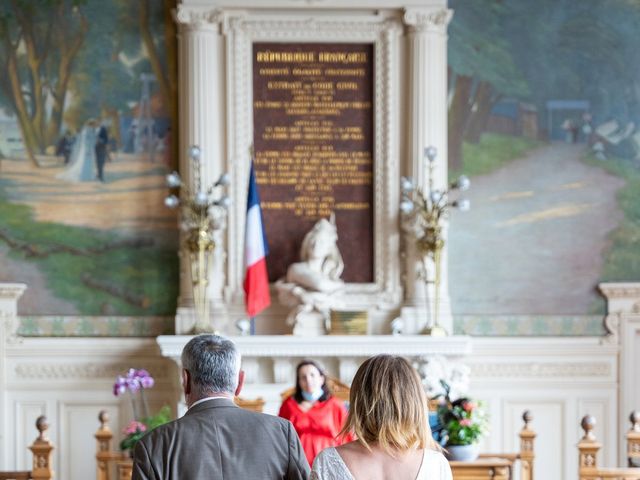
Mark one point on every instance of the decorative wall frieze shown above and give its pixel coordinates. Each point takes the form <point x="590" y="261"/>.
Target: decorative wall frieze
<point x="83" y="371"/>
<point x="302" y="26"/>
<point x="541" y="370"/>
<point x="349" y="346"/>
<point x="427" y="20"/>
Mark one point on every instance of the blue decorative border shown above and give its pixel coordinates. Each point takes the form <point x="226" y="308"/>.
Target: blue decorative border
<point x="529" y="325"/>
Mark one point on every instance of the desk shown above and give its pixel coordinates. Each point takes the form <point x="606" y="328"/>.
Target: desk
<point x="482" y="469"/>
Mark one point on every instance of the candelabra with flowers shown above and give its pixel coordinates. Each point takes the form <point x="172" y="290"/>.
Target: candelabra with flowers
<point x="136" y="382"/>
<point x="202" y="216"/>
<point x="422" y="218"/>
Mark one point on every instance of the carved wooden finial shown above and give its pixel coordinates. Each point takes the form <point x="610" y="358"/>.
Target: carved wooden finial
<point x="42" y="425"/>
<point x="634" y="418"/>
<point x="103" y="416"/>
<point x="527" y="417"/>
<point x="588" y="423"/>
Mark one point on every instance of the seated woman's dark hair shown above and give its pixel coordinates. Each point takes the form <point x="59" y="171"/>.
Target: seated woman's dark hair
<point x="325" y="388"/>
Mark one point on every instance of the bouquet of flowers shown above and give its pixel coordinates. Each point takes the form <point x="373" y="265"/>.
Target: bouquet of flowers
<point x="136" y="381"/>
<point x="463" y="421"/>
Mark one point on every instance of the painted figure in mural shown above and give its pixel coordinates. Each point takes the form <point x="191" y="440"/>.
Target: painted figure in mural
<point x="102" y="143"/>
<point x="82" y="162"/>
<point x="321" y="263"/>
<point x="64" y="145"/>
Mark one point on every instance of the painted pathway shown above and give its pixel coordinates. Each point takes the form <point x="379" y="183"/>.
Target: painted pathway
<point x="532" y="242"/>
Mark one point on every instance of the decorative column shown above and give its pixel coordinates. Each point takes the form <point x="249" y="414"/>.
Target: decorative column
<point x="9" y="295"/>
<point x="426" y="31"/>
<point x="622" y="324"/>
<point x="202" y="112"/>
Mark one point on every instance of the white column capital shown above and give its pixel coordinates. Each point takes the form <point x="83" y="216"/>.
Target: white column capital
<point x="9" y="295"/>
<point x="198" y="18"/>
<point x="422" y="20"/>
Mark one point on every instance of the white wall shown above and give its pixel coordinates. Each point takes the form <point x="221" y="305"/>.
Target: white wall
<point x="558" y="379"/>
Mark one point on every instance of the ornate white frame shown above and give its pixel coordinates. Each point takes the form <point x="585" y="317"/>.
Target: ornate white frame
<point x="384" y="32"/>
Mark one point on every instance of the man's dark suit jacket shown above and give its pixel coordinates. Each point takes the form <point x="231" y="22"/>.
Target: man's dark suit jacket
<point x="218" y="440"/>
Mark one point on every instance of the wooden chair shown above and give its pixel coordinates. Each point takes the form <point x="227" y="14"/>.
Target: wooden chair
<point x="338" y="389"/>
<point x="500" y="466"/>
<point x="110" y="464"/>
<point x="588" y="448"/>
<point x="256" y="405"/>
<point x="41" y="449"/>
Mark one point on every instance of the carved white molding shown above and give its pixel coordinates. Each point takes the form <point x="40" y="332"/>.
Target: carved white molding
<point x="9" y="324"/>
<point x="612" y="324"/>
<point x="83" y="371"/>
<point x="347" y="369"/>
<point x="386" y="292"/>
<point x="283" y="370"/>
<point x="542" y="370"/>
<point x="341" y="346"/>
<point x="620" y="290"/>
<point x="427" y="20"/>
<point x="199" y="18"/>
<point x="12" y="291"/>
<point x="250" y="367"/>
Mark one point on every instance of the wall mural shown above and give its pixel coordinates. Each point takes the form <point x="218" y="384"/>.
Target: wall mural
<point x="544" y="103"/>
<point x="87" y="103"/>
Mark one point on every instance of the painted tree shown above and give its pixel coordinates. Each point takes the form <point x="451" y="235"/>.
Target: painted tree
<point x="39" y="42"/>
<point x="155" y="28"/>
<point x="481" y="71"/>
<point x="577" y="50"/>
<point x="104" y="83"/>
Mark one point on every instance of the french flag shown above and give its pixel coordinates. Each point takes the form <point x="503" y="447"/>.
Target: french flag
<point x="256" y="281"/>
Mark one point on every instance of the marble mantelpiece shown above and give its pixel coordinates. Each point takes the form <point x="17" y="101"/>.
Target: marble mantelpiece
<point x="269" y="361"/>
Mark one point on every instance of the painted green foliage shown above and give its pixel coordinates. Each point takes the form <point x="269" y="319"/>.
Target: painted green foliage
<point x="67" y="61"/>
<point x="523" y="54"/>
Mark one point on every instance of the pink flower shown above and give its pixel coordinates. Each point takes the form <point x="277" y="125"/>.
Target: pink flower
<point x="466" y="422"/>
<point x="134" y="427"/>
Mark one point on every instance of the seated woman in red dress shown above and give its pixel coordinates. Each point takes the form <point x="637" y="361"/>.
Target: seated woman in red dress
<point x="316" y="415"/>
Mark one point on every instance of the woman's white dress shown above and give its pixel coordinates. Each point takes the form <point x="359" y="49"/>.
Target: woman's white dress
<point x="82" y="165"/>
<point x="329" y="465"/>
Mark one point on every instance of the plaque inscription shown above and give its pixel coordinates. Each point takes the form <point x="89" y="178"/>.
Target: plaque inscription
<point x="313" y="140"/>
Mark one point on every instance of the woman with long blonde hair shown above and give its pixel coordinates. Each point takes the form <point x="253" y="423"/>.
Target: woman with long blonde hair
<point x="388" y="413"/>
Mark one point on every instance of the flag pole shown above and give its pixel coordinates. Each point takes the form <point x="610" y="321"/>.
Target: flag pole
<point x="252" y="326"/>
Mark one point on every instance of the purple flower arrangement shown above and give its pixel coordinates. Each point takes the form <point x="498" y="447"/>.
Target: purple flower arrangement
<point x="138" y="381"/>
<point x="134" y="381"/>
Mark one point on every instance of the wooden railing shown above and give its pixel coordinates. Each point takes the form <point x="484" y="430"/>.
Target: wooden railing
<point x="588" y="448"/>
<point x="110" y="464"/>
<point x="499" y="466"/>
<point x="41" y="449"/>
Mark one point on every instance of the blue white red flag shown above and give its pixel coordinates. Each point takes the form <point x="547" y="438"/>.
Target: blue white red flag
<point x="256" y="280"/>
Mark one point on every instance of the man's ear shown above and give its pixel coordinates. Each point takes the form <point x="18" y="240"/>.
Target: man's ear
<point x="186" y="381"/>
<point x="240" y="382"/>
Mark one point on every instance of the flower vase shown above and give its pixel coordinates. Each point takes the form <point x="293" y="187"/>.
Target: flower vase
<point x="463" y="453"/>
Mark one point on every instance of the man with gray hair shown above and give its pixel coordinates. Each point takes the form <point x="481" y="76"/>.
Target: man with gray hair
<point x="215" y="439"/>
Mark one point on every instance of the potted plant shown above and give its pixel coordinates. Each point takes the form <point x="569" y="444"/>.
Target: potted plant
<point x="135" y="382"/>
<point x="463" y="423"/>
<point x="444" y="381"/>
